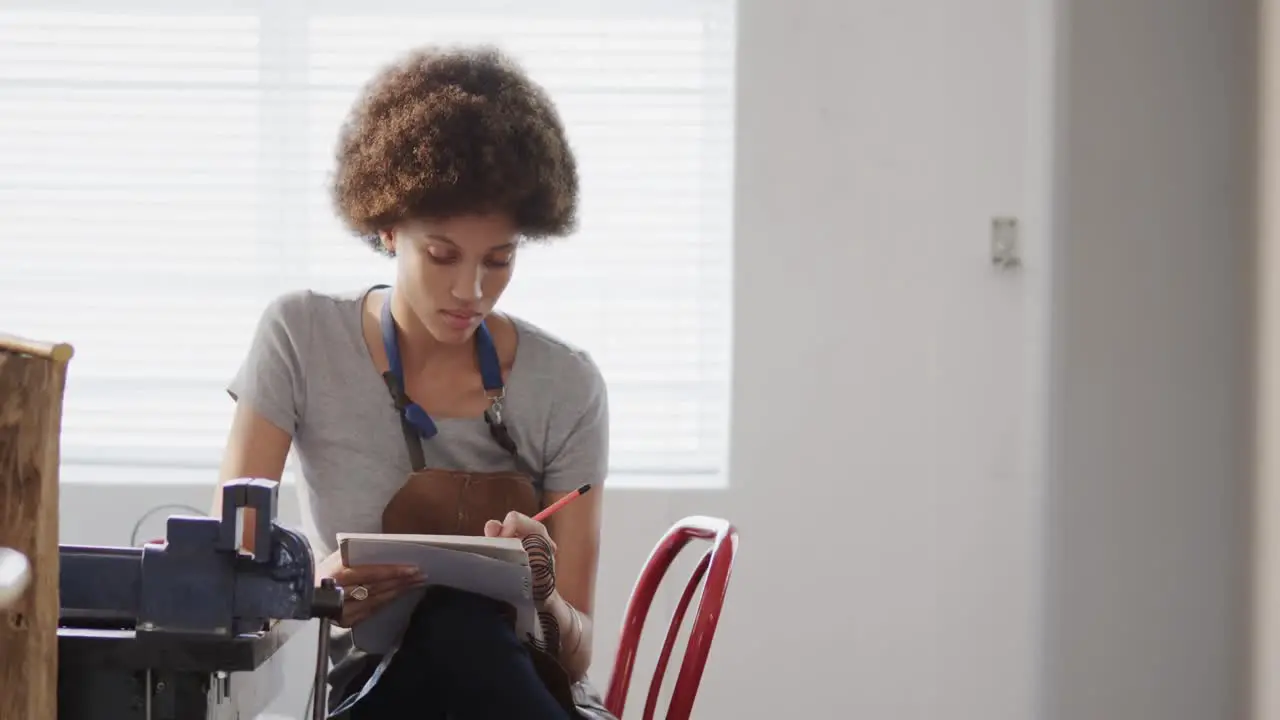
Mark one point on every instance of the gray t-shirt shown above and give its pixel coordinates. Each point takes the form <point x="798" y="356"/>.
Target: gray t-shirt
<point x="309" y="372"/>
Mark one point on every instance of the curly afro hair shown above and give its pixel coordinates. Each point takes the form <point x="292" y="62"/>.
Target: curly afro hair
<point x="449" y="132"/>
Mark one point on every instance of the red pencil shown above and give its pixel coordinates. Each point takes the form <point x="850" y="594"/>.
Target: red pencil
<point x="555" y="506"/>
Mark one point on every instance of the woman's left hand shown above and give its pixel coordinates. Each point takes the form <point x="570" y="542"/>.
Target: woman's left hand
<point x="538" y="543"/>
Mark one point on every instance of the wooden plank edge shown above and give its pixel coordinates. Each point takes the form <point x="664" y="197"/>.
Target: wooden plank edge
<point x="57" y="352"/>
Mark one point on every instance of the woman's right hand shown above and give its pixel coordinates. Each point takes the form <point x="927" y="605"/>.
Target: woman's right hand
<point x="383" y="583"/>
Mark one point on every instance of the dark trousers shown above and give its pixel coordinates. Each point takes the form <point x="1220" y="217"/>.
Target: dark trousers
<point x="460" y="659"/>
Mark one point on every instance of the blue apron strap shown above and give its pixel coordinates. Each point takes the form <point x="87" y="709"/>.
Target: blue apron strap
<point x="390" y="344"/>
<point x="416" y="422"/>
<point x="490" y="374"/>
<point x="487" y="358"/>
<point x="410" y="411"/>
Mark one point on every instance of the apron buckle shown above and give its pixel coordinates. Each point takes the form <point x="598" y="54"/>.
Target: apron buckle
<point x="495" y="404"/>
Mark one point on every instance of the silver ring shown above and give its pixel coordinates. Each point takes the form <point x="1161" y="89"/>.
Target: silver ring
<point x="359" y="592"/>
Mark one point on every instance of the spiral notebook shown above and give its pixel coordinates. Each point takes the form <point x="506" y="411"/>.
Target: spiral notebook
<point x="495" y="567"/>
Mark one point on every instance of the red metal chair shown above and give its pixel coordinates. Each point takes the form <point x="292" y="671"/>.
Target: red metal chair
<point x="715" y="565"/>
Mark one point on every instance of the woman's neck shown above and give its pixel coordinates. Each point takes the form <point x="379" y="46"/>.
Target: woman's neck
<point x="418" y="347"/>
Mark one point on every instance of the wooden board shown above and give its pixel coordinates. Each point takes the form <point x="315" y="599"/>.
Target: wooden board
<point x="32" y="380"/>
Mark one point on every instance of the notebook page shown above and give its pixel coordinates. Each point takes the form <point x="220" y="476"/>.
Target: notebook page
<point x="506" y="549"/>
<point x="507" y="582"/>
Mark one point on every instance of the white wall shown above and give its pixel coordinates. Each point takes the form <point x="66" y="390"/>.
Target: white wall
<point x="1151" y="380"/>
<point x="893" y="395"/>
<point x="884" y="439"/>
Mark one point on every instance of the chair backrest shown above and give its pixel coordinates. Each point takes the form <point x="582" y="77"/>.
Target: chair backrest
<point x="716" y="565"/>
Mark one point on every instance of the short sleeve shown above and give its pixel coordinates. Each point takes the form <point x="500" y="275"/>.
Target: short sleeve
<point x="579" y="441"/>
<point x="270" y="379"/>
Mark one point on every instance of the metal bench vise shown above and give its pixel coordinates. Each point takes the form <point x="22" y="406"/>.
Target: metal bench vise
<point x="156" y="633"/>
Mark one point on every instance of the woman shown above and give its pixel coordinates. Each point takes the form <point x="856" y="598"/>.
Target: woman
<point x="418" y="408"/>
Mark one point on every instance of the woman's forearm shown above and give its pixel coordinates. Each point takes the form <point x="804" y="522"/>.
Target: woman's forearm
<point x="575" y="636"/>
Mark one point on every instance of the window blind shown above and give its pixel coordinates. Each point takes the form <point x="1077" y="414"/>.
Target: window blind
<point x="164" y="170"/>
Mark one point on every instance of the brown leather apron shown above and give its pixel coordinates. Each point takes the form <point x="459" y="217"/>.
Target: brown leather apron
<point x="452" y="502"/>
